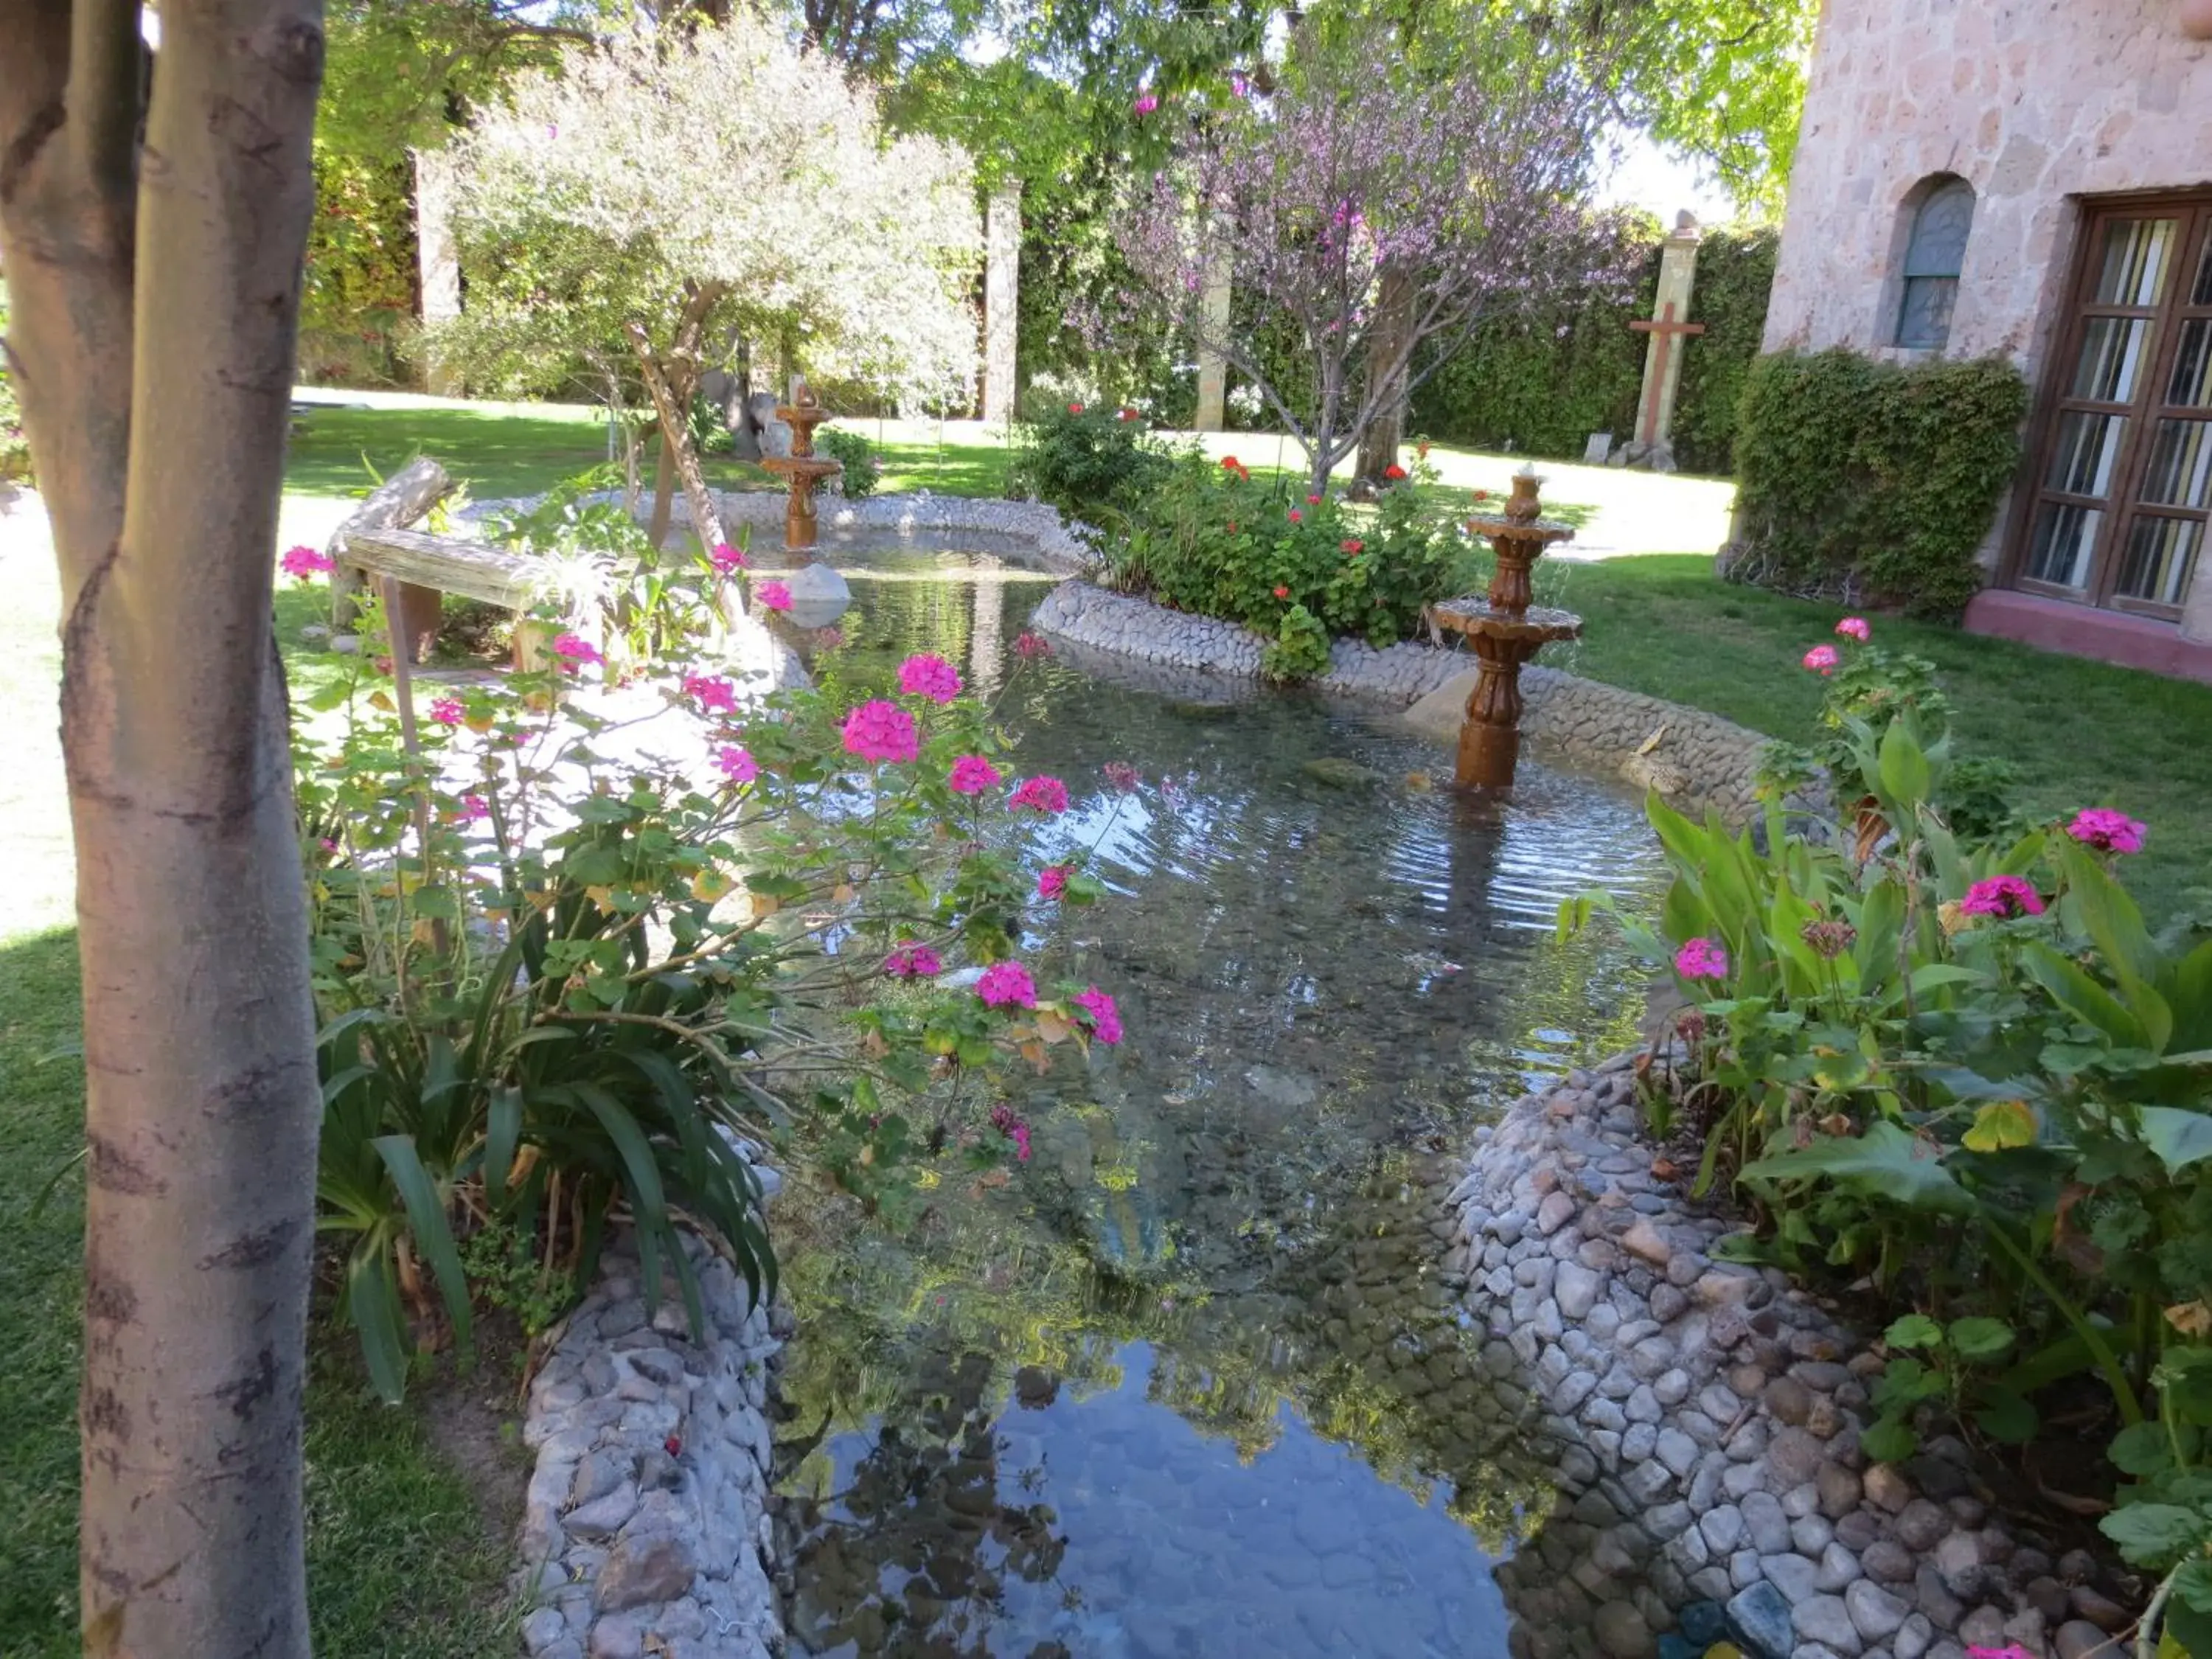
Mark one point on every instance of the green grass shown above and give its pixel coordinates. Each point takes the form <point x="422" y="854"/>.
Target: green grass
<point x="2081" y="733"/>
<point x="400" y="1563"/>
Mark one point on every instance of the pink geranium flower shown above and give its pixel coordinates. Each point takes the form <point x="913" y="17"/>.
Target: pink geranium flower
<point x="1313" y="501"/>
<point x="881" y="730"/>
<point x="2107" y="831"/>
<point x="726" y="558"/>
<point x="574" y="650"/>
<point x="1147" y="103"/>
<point x="1006" y="985"/>
<point x="1854" y="628"/>
<point x="1121" y="775"/>
<point x="972" y="774"/>
<point x="1822" y="659"/>
<point x="473" y="809"/>
<point x="925" y="674"/>
<point x="1039" y="795"/>
<point x="714" y="694"/>
<point x="1701" y="959"/>
<point x="1052" y="881"/>
<point x="1029" y="646"/>
<point x="1296" y="517"/>
<point x="447" y="711"/>
<point x="304" y="561"/>
<point x="912" y="961"/>
<point x="773" y="596"/>
<point x="1003" y="1121"/>
<point x="738" y="764"/>
<point x="1105" y="1018"/>
<point x="2003" y="896"/>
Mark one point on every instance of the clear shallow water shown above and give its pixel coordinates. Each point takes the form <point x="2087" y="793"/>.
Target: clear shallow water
<point x="1187" y="1384"/>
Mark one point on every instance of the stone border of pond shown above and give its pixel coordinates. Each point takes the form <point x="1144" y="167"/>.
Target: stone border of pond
<point x="646" y="1527"/>
<point x="1704" y="1420"/>
<point x="1696" y="760"/>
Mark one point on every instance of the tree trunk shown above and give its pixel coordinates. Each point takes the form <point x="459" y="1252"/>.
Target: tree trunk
<point x="161" y="450"/>
<point x="679" y="364"/>
<point x="676" y="440"/>
<point x="1386" y="431"/>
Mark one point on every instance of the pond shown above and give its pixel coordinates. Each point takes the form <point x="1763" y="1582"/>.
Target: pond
<point x="1188" y="1382"/>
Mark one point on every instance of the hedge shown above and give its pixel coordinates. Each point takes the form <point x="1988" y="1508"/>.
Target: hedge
<point x="1872" y="482"/>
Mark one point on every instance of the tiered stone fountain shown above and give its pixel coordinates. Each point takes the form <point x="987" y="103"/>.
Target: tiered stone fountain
<point x="1505" y="631"/>
<point x="803" y="470"/>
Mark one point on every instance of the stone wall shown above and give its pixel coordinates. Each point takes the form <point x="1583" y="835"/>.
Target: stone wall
<point x="2032" y="102"/>
<point x="1704" y="1421"/>
<point x="645" y="1529"/>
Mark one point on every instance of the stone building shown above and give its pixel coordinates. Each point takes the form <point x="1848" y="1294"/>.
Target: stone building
<point x="2034" y="178"/>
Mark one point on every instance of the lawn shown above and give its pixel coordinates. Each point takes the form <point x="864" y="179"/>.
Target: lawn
<point x="2081" y="733"/>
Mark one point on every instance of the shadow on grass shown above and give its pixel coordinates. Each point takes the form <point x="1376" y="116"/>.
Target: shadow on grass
<point x="400" y="1563"/>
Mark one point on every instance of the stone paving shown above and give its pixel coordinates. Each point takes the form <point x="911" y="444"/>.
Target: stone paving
<point x="1704" y="1418"/>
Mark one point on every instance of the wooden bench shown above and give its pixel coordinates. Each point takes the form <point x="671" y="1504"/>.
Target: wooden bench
<point x="374" y="544"/>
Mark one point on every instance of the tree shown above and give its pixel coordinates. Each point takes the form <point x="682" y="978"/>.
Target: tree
<point x="727" y="175"/>
<point x="154" y="307"/>
<point x="1461" y="195"/>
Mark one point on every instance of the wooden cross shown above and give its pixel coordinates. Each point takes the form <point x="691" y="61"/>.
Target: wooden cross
<point x="1665" y="328"/>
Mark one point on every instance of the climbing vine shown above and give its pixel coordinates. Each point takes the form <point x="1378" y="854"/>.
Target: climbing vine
<point x="1873" y="481"/>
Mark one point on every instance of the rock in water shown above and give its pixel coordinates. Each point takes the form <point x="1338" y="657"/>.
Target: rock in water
<point x="1339" y="772"/>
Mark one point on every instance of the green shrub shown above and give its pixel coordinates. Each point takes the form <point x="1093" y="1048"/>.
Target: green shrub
<point x="864" y="469"/>
<point x="1299" y="650"/>
<point x="1209" y="539"/>
<point x="1874" y="481"/>
<point x="1090" y="461"/>
<point x="14" y="447"/>
<point x="1735" y="276"/>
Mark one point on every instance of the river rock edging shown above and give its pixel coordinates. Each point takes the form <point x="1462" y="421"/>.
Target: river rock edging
<point x="644" y="1528"/>
<point x="1704" y="1418"/>
<point x="1694" y="759"/>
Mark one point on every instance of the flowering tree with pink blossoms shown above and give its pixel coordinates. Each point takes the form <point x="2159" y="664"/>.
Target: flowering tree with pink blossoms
<point x="1380" y="212"/>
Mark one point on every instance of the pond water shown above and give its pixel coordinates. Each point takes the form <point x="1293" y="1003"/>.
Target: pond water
<point x="1187" y="1384"/>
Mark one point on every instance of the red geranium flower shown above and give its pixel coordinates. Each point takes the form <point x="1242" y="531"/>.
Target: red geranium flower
<point x="1393" y="472"/>
<point x="1075" y="409"/>
<point x="1282" y="591"/>
<point x="1353" y="545"/>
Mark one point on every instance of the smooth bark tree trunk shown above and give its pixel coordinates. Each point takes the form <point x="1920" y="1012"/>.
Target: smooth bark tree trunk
<point x="1386" y="431"/>
<point x="676" y="440"/>
<point x="155" y="306"/>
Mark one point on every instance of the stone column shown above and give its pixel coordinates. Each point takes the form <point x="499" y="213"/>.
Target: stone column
<point x="438" y="257"/>
<point x="1002" y="260"/>
<point x="1212" y="368"/>
<point x="1663" y="352"/>
<point x="2197" y="607"/>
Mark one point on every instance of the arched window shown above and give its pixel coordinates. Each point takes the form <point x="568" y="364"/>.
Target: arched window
<point x="1933" y="254"/>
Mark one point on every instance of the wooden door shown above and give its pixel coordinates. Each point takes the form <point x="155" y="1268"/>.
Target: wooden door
<point x="2123" y="473"/>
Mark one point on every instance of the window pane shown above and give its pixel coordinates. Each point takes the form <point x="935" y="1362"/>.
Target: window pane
<point x="1925" y="321"/>
<point x="2137" y="253"/>
<point x="2088" y="449"/>
<point x="2191" y="384"/>
<point x="1938" y="246"/>
<point x="2202" y="296"/>
<point x="2063" y="539"/>
<point x="2161" y="553"/>
<point x="2114" y="352"/>
<point x="2180" y="471"/>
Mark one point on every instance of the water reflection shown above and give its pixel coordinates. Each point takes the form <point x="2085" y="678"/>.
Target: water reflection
<point x="1189" y="1383"/>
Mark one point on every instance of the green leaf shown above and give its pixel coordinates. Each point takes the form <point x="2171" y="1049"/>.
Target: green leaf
<point x="1885" y="1161"/>
<point x="2006" y="1416"/>
<point x="2192" y="1584"/>
<point x="2152" y="1534"/>
<point x="2141" y="1450"/>
<point x="373" y="1306"/>
<point x="502" y="1131"/>
<point x="2188" y="1632"/>
<point x="1999" y="1125"/>
<point x="1905" y="775"/>
<point x="1913" y="1331"/>
<point x="426" y="1220"/>
<point x="2082" y="996"/>
<point x="1979" y="1339"/>
<point x="1889" y="1442"/>
<point x="2179" y="1137"/>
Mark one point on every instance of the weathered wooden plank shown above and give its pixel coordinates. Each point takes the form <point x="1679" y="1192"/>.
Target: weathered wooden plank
<point x="475" y="570"/>
<point x="396" y="502"/>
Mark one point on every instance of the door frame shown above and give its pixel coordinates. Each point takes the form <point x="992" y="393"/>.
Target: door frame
<point x="2193" y="206"/>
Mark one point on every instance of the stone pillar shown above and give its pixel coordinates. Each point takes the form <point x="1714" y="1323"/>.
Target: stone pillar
<point x="1662" y="353"/>
<point x="1002" y="262"/>
<point x="1212" y="366"/>
<point x="438" y="257"/>
<point x="2197" y="607"/>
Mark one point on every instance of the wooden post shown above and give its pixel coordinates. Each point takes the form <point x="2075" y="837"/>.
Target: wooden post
<point x="396" y="502"/>
<point x="1662" y="363"/>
